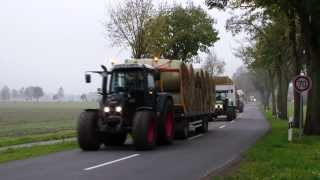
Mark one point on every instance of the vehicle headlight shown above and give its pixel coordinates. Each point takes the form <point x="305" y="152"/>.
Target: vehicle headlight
<point x="118" y="109"/>
<point x="218" y="106"/>
<point x="106" y="109"/>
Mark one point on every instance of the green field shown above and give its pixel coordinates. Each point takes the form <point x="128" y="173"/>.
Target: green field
<point x="273" y="157"/>
<point x="23" y="122"/>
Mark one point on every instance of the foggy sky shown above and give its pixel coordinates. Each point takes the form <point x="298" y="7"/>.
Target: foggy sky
<point x="52" y="43"/>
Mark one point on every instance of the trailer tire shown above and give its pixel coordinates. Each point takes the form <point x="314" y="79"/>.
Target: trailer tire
<point x="87" y="131"/>
<point x="144" y="130"/>
<point x="182" y="131"/>
<point x="166" y="124"/>
<point x="229" y="116"/>
<point x="114" y="139"/>
<point x="204" y="128"/>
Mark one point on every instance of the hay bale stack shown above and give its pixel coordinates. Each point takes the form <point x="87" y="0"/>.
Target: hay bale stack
<point x="191" y="89"/>
<point x="213" y="93"/>
<point x="222" y="80"/>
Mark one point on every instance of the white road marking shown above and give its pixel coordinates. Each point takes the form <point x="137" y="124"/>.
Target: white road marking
<point x="223" y="126"/>
<point x="195" y="137"/>
<point x="111" y="162"/>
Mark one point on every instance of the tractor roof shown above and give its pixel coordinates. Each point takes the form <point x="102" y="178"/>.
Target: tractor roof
<point x="133" y="66"/>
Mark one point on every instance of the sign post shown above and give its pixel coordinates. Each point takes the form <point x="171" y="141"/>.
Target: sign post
<point x="301" y="84"/>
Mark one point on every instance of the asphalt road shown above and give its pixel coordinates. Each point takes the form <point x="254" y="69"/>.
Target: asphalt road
<point x="189" y="159"/>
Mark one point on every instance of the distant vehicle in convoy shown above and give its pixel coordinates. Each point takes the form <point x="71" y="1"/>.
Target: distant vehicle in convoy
<point x="153" y="100"/>
<point x="225" y="98"/>
<point x="240" y="100"/>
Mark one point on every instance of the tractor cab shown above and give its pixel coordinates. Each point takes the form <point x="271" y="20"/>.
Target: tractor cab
<point x="126" y="89"/>
<point x="132" y="87"/>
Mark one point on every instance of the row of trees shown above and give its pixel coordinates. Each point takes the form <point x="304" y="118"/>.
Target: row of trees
<point x="29" y="93"/>
<point x="173" y="32"/>
<point x="284" y="42"/>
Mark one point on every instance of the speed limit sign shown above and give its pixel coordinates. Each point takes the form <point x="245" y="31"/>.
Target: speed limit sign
<point x="302" y="83"/>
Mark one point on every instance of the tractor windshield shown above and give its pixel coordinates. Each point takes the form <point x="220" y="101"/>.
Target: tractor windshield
<point x="221" y="95"/>
<point x="129" y="80"/>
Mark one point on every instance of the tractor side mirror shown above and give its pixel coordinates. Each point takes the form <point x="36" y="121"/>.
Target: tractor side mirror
<point x="88" y="78"/>
<point x="104" y="68"/>
<point x="157" y="76"/>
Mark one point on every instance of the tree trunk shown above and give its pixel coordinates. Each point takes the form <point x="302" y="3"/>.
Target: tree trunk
<point x="311" y="31"/>
<point x="312" y="126"/>
<point x="297" y="64"/>
<point x="282" y="96"/>
<point x="273" y="99"/>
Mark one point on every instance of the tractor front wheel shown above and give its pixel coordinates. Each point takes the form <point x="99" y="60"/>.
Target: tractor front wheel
<point x="87" y="131"/>
<point x="144" y="130"/>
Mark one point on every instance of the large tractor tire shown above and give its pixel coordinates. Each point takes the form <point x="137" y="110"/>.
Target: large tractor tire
<point x="144" y="130"/>
<point x="114" y="139"/>
<point x="87" y="130"/>
<point x="166" y="127"/>
<point x="182" y="129"/>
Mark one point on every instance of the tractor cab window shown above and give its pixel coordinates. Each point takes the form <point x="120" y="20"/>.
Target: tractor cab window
<point x="151" y="83"/>
<point x="127" y="81"/>
<point x="221" y="95"/>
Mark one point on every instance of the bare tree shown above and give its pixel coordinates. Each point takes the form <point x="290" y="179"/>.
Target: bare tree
<point x="37" y="92"/>
<point x="127" y="25"/>
<point x="213" y="65"/>
<point x="60" y="93"/>
<point x="5" y="93"/>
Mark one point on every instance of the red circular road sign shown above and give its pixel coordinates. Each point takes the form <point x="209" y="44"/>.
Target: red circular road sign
<point x="302" y="83"/>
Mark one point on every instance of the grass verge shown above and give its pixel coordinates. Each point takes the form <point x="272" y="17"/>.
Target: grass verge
<point x="273" y="157"/>
<point x="9" y="141"/>
<point x="38" y="150"/>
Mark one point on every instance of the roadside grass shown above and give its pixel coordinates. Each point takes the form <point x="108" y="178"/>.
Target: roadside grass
<point x="10" y="141"/>
<point x="34" y="151"/>
<point x="26" y="122"/>
<point x="273" y="157"/>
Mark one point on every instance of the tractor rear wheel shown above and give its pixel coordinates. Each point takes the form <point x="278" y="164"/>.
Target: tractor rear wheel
<point x="166" y="124"/>
<point x="144" y="130"/>
<point x="87" y="131"/>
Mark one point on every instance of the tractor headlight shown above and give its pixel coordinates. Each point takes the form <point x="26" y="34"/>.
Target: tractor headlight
<point x="106" y="109"/>
<point x="118" y="109"/>
<point x="218" y="106"/>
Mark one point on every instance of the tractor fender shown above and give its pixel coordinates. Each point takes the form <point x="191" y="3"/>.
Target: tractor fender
<point x="142" y="108"/>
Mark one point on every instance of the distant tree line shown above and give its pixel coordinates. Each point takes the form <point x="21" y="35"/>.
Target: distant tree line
<point x="29" y="93"/>
<point x="284" y="42"/>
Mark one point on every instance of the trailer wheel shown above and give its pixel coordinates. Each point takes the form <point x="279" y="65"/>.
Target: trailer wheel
<point x="144" y="130"/>
<point x="182" y="130"/>
<point x="87" y="131"/>
<point x="166" y="124"/>
<point x="204" y="128"/>
<point x="231" y="114"/>
<point x="114" y="139"/>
